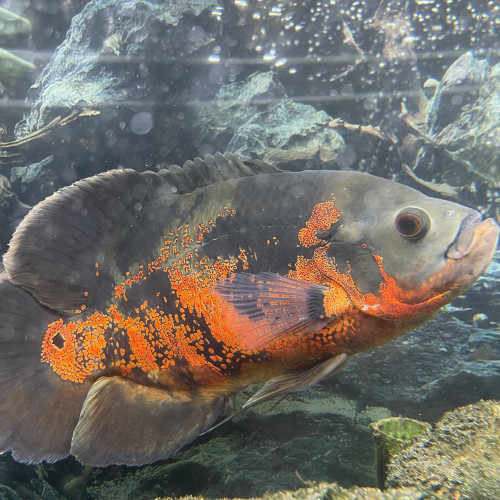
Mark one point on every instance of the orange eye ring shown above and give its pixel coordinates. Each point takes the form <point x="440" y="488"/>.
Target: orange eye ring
<point x="412" y="223"/>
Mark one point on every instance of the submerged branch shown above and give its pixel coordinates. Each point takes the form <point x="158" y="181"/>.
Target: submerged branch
<point x="441" y="188"/>
<point x="56" y="123"/>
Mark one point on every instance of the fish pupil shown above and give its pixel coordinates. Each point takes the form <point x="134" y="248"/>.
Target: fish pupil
<point x="412" y="223"/>
<point x="409" y="224"/>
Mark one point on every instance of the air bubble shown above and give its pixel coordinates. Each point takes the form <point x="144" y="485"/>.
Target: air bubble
<point x="141" y="123"/>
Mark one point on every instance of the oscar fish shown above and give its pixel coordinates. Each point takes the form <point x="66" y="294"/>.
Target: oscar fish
<point x="133" y="305"/>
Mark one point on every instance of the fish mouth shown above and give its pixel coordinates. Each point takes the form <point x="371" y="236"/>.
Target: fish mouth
<point x="466" y="238"/>
<point x="469" y="255"/>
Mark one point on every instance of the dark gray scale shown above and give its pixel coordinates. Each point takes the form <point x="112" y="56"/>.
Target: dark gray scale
<point x="268" y="217"/>
<point x="270" y="213"/>
<point x="360" y="262"/>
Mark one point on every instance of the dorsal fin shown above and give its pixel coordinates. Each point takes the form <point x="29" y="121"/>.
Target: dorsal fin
<point x="219" y="167"/>
<point x="65" y="248"/>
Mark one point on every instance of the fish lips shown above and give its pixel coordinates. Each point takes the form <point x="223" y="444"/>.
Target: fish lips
<point x="469" y="255"/>
<point x="473" y="236"/>
<point x="465" y="240"/>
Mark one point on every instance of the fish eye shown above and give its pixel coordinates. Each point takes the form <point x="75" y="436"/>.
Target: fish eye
<point x="412" y="223"/>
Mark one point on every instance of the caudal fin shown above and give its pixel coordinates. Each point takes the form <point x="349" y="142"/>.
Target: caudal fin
<point x="38" y="410"/>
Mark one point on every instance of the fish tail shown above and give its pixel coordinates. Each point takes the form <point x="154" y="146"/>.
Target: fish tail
<point x="38" y="410"/>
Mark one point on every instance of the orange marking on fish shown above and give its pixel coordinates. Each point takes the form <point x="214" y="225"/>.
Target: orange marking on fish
<point x="150" y="340"/>
<point x="82" y="346"/>
<point x="322" y="217"/>
<point x="62" y="359"/>
<point x="337" y="302"/>
<point x="243" y="258"/>
<point x="398" y="303"/>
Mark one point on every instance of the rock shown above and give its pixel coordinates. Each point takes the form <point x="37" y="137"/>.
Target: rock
<point x="313" y="435"/>
<point x="441" y="365"/>
<point x="258" y="119"/>
<point x="24" y="483"/>
<point x="460" y="457"/>
<point x="462" y="123"/>
<point x="125" y="60"/>
<point x="468" y="123"/>
<point x="332" y="491"/>
<point x="159" y="72"/>
<point x="104" y="38"/>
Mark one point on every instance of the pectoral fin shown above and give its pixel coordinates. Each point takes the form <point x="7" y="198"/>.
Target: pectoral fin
<point x="123" y="422"/>
<point x="263" y="308"/>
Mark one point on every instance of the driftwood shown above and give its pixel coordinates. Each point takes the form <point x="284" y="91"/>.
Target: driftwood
<point x="10" y="151"/>
<point x="441" y="188"/>
<point x="362" y="129"/>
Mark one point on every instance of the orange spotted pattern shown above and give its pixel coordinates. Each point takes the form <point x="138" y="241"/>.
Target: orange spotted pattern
<point x="343" y="294"/>
<point x="152" y="340"/>
<point x="322" y="217"/>
<point x="75" y="349"/>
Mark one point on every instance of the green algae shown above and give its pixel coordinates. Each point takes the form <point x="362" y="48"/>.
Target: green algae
<point x="461" y="455"/>
<point x="392" y="436"/>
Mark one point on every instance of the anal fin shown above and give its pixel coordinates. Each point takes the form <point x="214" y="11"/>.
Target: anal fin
<point x="123" y="422"/>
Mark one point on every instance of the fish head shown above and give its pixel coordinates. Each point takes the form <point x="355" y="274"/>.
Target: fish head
<point x="400" y="254"/>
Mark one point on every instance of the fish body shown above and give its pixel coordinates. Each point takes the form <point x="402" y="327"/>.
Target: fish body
<point x="155" y="296"/>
